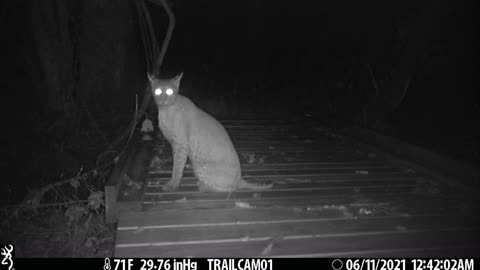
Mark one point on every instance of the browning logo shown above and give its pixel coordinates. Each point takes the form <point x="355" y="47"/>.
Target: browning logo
<point x="7" y="251"/>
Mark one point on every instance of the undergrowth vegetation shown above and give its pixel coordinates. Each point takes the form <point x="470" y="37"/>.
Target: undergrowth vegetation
<point x="63" y="219"/>
<point x="62" y="213"/>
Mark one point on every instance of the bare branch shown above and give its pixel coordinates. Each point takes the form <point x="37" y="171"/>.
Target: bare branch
<point x="158" y="63"/>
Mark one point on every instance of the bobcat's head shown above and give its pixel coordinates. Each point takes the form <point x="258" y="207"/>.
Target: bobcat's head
<point x="164" y="91"/>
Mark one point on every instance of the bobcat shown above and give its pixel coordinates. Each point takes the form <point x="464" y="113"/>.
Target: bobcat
<point x="194" y="133"/>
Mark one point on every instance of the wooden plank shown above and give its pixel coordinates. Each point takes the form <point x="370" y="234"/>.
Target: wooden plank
<point x="244" y="143"/>
<point x="291" y="172"/>
<point x="277" y="193"/>
<point x="294" y="156"/>
<point x="414" y="154"/>
<point x="325" y="156"/>
<point x="281" y="149"/>
<point x="301" y="182"/>
<point x="173" y="218"/>
<point x="277" y="138"/>
<point x="293" y="185"/>
<point x="253" y="121"/>
<point x="300" y="177"/>
<point x="300" y="203"/>
<point x="237" y="229"/>
<point x="395" y="240"/>
<point x="273" y="149"/>
<point x="282" y="179"/>
<point x="266" y="126"/>
<point x="237" y="140"/>
<point x="196" y="216"/>
<point x="355" y="205"/>
<point x="459" y="251"/>
<point x="295" y="165"/>
<point x="316" y="244"/>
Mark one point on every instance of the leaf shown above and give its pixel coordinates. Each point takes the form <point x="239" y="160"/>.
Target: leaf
<point x="147" y="126"/>
<point x="249" y="157"/>
<point x="239" y="204"/>
<point x="266" y="251"/>
<point x="156" y="162"/>
<point x="95" y="200"/>
<point x="184" y="199"/>
<point x="366" y="212"/>
<point x="91" y="242"/>
<point x="139" y="230"/>
<point x="75" y="183"/>
<point x="261" y="160"/>
<point x="74" y="213"/>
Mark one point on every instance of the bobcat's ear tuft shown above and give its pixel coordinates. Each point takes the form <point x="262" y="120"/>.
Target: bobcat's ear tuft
<point x="151" y="78"/>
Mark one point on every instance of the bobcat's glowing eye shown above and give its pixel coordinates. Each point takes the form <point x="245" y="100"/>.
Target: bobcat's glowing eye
<point x="169" y="91"/>
<point x="158" y="91"/>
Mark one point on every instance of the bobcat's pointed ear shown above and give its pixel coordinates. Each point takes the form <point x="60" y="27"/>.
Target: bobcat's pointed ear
<point x="151" y="78"/>
<point x="177" y="79"/>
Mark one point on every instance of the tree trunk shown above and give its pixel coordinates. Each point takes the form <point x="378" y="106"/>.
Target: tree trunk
<point x="106" y="27"/>
<point x="420" y="32"/>
<point x="54" y="49"/>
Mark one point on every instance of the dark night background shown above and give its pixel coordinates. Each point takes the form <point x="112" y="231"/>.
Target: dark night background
<point x="71" y="69"/>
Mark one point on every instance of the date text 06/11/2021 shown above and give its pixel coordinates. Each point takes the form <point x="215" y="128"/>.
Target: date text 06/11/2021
<point x="404" y="264"/>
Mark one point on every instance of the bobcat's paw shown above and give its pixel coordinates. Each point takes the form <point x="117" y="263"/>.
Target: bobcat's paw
<point x="171" y="186"/>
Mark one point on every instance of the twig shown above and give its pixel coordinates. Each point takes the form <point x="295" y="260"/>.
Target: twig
<point x="62" y="203"/>
<point x="372" y="77"/>
<point x="135" y="115"/>
<point x="93" y="121"/>
<point x="274" y="240"/>
<point x="34" y="200"/>
<point x="153" y="40"/>
<point x="365" y="116"/>
<point x="143" y="34"/>
<point x="101" y="154"/>
<point x="404" y="92"/>
<point x="168" y="36"/>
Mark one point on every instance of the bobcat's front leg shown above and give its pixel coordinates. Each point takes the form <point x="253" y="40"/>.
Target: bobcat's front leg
<point x="179" y="159"/>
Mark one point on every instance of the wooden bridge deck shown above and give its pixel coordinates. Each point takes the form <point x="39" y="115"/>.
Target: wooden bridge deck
<point x="331" y="197"/>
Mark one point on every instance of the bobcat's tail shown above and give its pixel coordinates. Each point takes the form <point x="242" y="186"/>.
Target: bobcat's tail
<point x="242" y="184"/>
